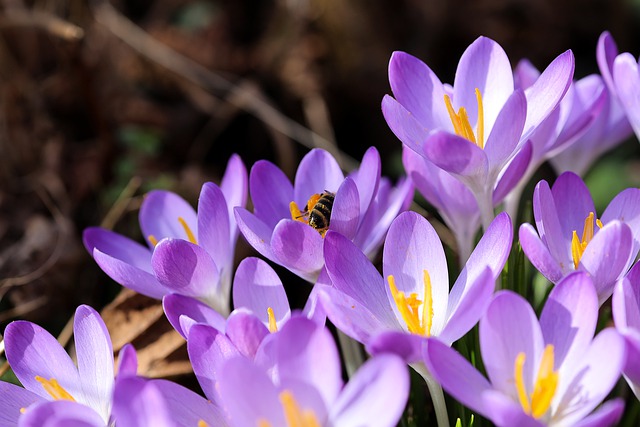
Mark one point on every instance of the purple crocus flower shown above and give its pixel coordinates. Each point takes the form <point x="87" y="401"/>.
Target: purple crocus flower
<point x="296" y="380"/>
<point x="549" y="372"/>
<point x="477" y="130"/>
<point x="47" y="372"/>
<point x="279" y="229"/>
<point x="611" y="126"/>
<point x="569" y="236"/>
<point x="412" y="302"/>
<point x="625" y="305"/>
<point x="187" y="254"/>
<point x="626" y="78"/>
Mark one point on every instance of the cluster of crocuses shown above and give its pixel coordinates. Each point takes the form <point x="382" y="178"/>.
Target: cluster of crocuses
<point x="469" y="149"/>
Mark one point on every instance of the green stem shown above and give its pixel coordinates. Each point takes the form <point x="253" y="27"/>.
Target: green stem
<point x="437" y="395"/>
<point x="351" y="352"/>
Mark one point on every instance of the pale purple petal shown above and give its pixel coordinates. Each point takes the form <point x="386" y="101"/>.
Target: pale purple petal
<point x="484" y="65"/>
<point x="419" y="90"/>
<point x="127" y="361"/>
<point x="539" y="254"/>
<point x="257" y="287"/>
<point x="412" y="247"/>
<point x="255" y="231"/>
<point x="175" y="306"/>
<point x="117" y="246"/>
<point x="139" y="403"/>
<point x="625" y="207"/>
<point x="246" y="332"/>
<point x="345" y="215"/>
<point x="318" y="171"/>
<point x="95" y="359"/>
<point x="506" y="132"/>
<point x="160" y="215"/>
<point x="606" y="53"/>
<point x="508" y="328"/>
<point x="609" y="414"/>
<point x="298" y="247"/>
<point x="546" y="213"/>
<point x="188" y="408"/>
<point x="573" y="202"/>
<point x="402" y="344"/>
<point x="185" y="268"/>
<point x="627" y="82"/>
<point x="525" y="74"/>
<point x="404" y="125"/>
<point x="506" y="412"/>
<point x="367" y="178"/>
<point x="234" y="186"/>
<point x="456" y="375"/>
<point x="632" y="366"/>
<point x="63" y="413"/>
<point x="213" y="225"/>
<point x="569" y="317"/>
<point x="271" y="192"/>
<point x="12" y="399"/>
<point x="375" y="396"/>
<point x="32" y="351"/>
<point x="513" y="173"/>
<point x="626" y="301"/>
<point x="456" y="155"/>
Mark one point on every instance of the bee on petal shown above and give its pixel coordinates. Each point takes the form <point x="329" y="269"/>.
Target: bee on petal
<point x="317" y="211"/>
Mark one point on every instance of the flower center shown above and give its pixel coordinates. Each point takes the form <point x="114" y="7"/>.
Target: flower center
<point x="273" y="326"/>
<point x="544" y="388"/>
<point x="294" y="415"/>
<point x="409" y="307"/>
<point x="578" y="246"/>
<point x="54" y="389"/>
<point x="460" y="121"/>
<point x="316" y="213"/>
<point x="190" y="236"/>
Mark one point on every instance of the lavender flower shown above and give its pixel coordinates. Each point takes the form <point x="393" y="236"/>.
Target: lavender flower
<point x="188" y="254"/>
<point x="549" y="372"/>
<point x="477" y="131"/>
<point x="363" y="208"/>
<point x="569" y="236"/>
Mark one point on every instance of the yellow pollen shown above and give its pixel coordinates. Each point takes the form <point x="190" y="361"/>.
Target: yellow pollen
<point x="409" y="306"/>
<point x="263" y="423"/>
<point x="54" y="389"/>
<point x="153" y="240"/>
<point x="23" y="410"/>
<point x="296" y="214"/>
<point x="202" y="423"/>
<point x="461" y="124"/>
<point x="295" y="416"/>
<point x="544" y="388"/>
<point x="273" y="326"/>
<point x="187" y="229"/>
<point x="578" y="246"/>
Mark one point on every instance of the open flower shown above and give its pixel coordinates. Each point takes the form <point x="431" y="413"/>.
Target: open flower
<point x="47" y="372"/>
<point x="297" y="380"/>
<point x="625" y="305"/>
<point x="187" y="254"/>
<point x="281" y="226"/>
<point x="548" y="372"/>
<point x="478" y="130"/>
<point x="412" y="302"/>
<point x="570" y="237"/>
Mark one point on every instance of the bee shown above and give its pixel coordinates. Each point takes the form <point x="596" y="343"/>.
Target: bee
<point x="320" y="212"/>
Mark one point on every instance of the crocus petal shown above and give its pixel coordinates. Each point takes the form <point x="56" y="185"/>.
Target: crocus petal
<point x="375" y="396"/>
<point x="484" y="65"/>
<point x="61" y="413"/>
<point x="176" y="305"/>
<point x="213" y="225"/>
<point x="318" y="171"/>
<point x="12" y="399"/>
<point x="456" y="155"/>
<point x="95" y="359"/>
<point x="573" y="202"/>
<point x="32" y="351"/>
<point x="525" y="74"/>
<point x="469" y="308"/>
<point x="625" y="207"/>
<point x="255" y="231"/>
<point x="404" y="125"/>
<point x="246" y="332"/>
<point x="506" y="132"/>
<point x="626" y="301"/>
<point x="130" y="276"/>
<point x="159" y="216"/>
<point x="505" y="412"/>
<point x="404" y="345"/>
<point x="353" y="274"/>
<point x="234" y="186"/>
<point x="538" y="253"/>
<point x="412" y="247"/>
<point x="508" y="328"/>
<point x="138" y="403"/>
<point x="457" y="376"/>
<point x="609" y="414"/>
<point x="367" y="178"/>
<point x="569" y="317"/>
<point x="127" y="361"/>
<point x="187" y="407"/>
<point x="271" y="193"/>
<point x="545" y="211"/>
<point x="606" y="53"/>
<point x="627" y="81"/>
<point x="208" y="348"/>
<point x="345" y="215"/>
<point x="185" y="268"/>
<point x="418" y="89"/>
<point x="298" y="247"/>
<point x="593" y="379"/>
<point x="117" y="246"/>
<point x="548" y="90"/>
<point x="607" y="256"/>
<point x="513" y="173"/>
<point x="632" y="366"/>
<point x="257" y="287"/>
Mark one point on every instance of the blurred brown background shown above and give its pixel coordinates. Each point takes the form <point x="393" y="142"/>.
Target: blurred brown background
<point x="101" y="102"/>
